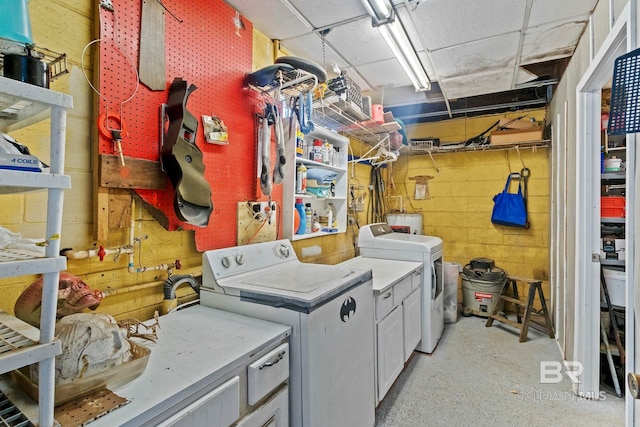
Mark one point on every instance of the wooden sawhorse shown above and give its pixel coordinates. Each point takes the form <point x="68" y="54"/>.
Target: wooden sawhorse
<point x="535" y="286"/>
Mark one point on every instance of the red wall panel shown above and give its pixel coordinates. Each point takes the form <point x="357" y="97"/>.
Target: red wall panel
<point x="205" y="50"/>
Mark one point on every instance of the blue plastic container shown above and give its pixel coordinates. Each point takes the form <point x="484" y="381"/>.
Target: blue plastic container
<point x="303" y="217"/>
<point x="15" y="24"/>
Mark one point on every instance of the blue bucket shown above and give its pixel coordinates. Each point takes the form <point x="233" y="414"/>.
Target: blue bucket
<point x="14" y="21"/>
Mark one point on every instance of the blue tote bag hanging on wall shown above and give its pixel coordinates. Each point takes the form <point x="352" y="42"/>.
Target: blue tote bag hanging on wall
<point x="510" y="208"/>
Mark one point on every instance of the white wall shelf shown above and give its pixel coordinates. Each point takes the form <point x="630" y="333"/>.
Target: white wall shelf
<point x="22" y="105"/>
<point x="339" y="199"/>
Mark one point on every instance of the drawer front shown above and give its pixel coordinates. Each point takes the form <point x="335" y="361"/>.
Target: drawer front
<point x="218" y="408"/>
<point x="272" y="413"/>
<point x="416" y="279"/>
<point x="384" y="303"/>
<point x="401" y="290"/>
<point x="266" y="373"/>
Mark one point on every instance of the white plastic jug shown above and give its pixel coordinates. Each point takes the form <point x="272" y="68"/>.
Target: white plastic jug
<point x="15" y="24"/>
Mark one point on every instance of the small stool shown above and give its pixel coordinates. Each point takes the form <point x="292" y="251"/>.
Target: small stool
<point x="535" y="286"/>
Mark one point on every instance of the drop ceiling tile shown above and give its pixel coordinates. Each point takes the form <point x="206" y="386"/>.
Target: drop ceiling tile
<point x="524" y="76"/>
<point x="310" y="47"/>
<point x="359" y="43"/>
<point x="398" y="96"/>
<point x="267" y="17"/>
<point x="477" y="84"/>
<point x="546" y="11"/>
<point x="386" y="73"/>
<point x="327" y="12"/>
<point x="486" y="54"/>
<point x="552" y="41"/>
<point x="448" y="23"/>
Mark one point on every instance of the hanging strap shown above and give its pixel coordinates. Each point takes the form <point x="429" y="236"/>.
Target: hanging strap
<point x="506" y="187"/>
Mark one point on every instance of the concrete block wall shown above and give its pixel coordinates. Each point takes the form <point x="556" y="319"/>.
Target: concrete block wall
<point x="461" y="199"/>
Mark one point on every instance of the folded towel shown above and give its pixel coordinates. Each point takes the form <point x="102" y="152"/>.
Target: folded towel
<point x="323" y="176"/>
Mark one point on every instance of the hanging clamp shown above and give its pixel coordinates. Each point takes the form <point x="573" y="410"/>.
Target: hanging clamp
<point x="116" y="137"/>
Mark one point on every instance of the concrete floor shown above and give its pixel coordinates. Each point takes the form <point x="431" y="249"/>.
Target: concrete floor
<point x="480" y="376"/>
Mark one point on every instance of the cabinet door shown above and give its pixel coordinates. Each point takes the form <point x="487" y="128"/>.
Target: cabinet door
<point x="218" y="408"/>
<point x="412" y="311"/>
<point x="390" y="350"/>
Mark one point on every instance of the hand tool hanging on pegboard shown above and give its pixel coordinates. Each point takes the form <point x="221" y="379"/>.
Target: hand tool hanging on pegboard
<point x="152" y="62"/>
<point x="281" y="160"/>
<point x="264" y="143"/>
<point x="182" y="159"/>
<point x="110" y="124"/>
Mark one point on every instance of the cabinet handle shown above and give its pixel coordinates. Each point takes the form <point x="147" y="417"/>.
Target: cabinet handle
<point x="387" y="296"/>
<point x="278" y="358"/>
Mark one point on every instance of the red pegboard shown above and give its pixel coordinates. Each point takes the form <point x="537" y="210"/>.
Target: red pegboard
<point x="205" y="50"/>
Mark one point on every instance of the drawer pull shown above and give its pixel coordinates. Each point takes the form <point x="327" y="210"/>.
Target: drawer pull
<point x="387" y="296"/>
<point x="278" y="358"/>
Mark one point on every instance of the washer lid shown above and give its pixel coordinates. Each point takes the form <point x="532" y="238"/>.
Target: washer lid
<point x="402" y="242"/>
<point x="295" y="286"/>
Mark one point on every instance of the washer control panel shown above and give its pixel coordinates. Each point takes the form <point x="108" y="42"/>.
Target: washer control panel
<point x="242" y="259"/>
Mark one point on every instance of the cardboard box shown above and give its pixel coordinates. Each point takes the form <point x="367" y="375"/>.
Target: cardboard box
<point x="19" y="162"/>
<point x="513" y="136"/>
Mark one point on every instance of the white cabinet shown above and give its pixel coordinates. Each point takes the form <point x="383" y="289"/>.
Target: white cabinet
<point x="319" y="204"/>
<point x="398" y="328"/>
<point x="390" y="350"/>
<point x="21" y="105"/>
<point x="412" y="322"/>
<point x="398" y="315"/>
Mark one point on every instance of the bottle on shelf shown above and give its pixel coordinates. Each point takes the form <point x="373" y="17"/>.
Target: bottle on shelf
<point x="316" y="151"/>
<point x="302" y="226"/>
<point x="301" y="179"/>
<point x="334" y="217"/>
<point x="327" y="154"/>
<point x="299" y="143"/>
<point x="308" y="218"/>
<point x="315" y="223"/>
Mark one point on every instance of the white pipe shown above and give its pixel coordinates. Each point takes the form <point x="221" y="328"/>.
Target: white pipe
<point x="90" y="253"/>
<point x="131" y="267"/>
<point x="158" y="267"/>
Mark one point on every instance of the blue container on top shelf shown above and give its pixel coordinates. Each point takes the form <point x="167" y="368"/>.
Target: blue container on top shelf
<point x="15" y="24"/>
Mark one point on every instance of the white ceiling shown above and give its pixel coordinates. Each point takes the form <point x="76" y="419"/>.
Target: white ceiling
<point x="469" y="47"/>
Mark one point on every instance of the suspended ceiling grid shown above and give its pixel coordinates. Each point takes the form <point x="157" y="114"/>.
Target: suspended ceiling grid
<point x="476" y="53"/>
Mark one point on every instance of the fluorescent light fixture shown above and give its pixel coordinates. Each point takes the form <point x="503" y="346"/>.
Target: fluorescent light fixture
<point x="380" y="11"/>
<point x="391" y="30"/>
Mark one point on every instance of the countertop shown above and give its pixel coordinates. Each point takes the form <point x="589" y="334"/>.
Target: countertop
<point x="385" y="272"/>
<point x="196" y="346"/>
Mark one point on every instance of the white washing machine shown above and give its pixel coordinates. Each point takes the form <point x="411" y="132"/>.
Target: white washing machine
<point x="330" y="310"/>
<point x="380" y="241"/>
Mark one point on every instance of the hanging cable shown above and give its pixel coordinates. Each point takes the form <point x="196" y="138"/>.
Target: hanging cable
<point x="376" y="199"/>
